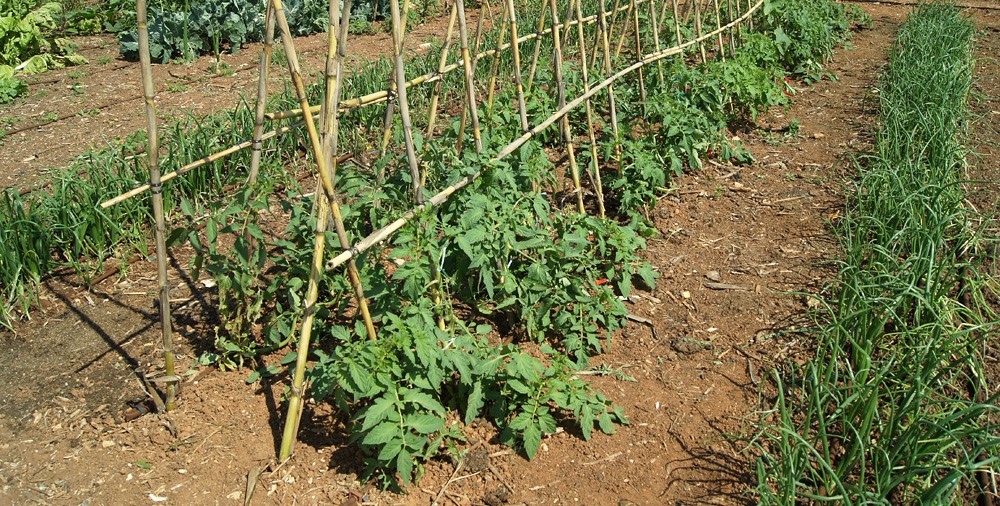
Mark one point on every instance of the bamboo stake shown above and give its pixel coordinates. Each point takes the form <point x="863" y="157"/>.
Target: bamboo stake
<point x="199" y="163"/>
<point x="595" y="165"/>
<point x="491" y="87"/>
<point x="517" y="66"/>
<point x="732" y="40"/>
<point x="404" y="105"/>
<point x="638" y="54"/>
<point x="718" y="24"/>
<point x="465" y="102"/>
<point x="385" y="232"/>
<point x="567" y="135"/>
<point x="152" y="150"/>
<point x="442" y="63"/>
<point x="697" y="27"/>
<point x="567" y="16"/>
<point x="605" y="47"/>
<point x="627" y="26"/>
<point x="656" y="41"/>
<point x="312" y="295"/>
<point x="258" y="122"/>
<point x="390" y="94"/>
<point x="538" y="46"/>
<point x="470" y="87"/>
<point x="333" y="127"/>
<point x="603" y="14"/>
<point x="295" y="400"/>
<point x="329" y="96"/>
<point x="677" y="28"/>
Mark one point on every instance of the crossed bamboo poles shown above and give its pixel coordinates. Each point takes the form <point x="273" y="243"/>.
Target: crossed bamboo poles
<point x="323" y="138"/>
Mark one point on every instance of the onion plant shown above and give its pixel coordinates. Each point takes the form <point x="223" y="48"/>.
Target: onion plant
<point x="890" y="410"/>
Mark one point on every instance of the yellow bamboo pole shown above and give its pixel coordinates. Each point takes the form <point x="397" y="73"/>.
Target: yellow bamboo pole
<point x="442" y="63"/>
<point x="626" y="26"/>
<point x="677" y="28"/>
<point x="199" y="163"/>
<point x="491" y="87"/>
<point x="656" y="40"/>
<point x="595" y="165"/>
<point x="522" y="110"/>
<point x="732" y="39"/>
<point x="470" y="85"/>
<point x="697" y="28"/>
<point x="258" y="122"/>
<point x="638" y="54"/>
<point x="398" y="28"/>
<point x="606" y="49"/>
<point x="718" y="24"/>
<point x="603" y="15"/>
<point x="325" y="206"/>
<point x="391" y="93"/>
<point x="483" y="9"/>
<point x="566" y="133"/>
<point x="538" y="46"/>
<point x="152" y="152"/>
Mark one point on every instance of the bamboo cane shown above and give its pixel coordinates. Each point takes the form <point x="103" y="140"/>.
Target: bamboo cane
<point x="199" y="163"/>
<point x="638" y="54"/>
<point x="391" y="93"/>
<point x="312" y="295"/>
<point x="470" y="86"/>
<point x="491" y="87"/>
<point x="656" y="41"/>
<point x="475" y="51"/>
<point x="625" y="28"/>
<point x="333" y="127"/>
<point x="385" y="232"/>
<point x="258" y="122"/>
<point x="606" y="48"/>
<point x="442" y="63"/>
<point x="603" y="14"/>
<point x="595" y="165"/>
<point x="697" y="27"/>
<point x="677" y="28"/>
<point x="538" y="46"/>
<point x="152" y="149"/>
<point x="329" y="96"/>
<point x="718" y="24"/>
<point x="567" y="16"/>
<point x="325" y="206"/>
<point x="732" y="40"/>
<point x="404" y="105"/>
<point x="561" y="83"/>
<point x="522" y="110"/>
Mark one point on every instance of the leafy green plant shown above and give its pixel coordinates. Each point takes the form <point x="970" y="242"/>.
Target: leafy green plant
<point x="10" y="86"/>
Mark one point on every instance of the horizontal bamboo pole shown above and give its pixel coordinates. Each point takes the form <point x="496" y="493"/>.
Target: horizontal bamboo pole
<point x="431" y="77"/>
<point x="438" y="199"/>
<point x="198" y="163"/>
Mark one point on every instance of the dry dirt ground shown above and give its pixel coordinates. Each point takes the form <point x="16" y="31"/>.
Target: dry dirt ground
<point x="66" y="430"/>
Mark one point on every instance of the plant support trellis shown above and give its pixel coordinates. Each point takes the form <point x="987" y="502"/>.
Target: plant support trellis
<point x="623" y="40"/>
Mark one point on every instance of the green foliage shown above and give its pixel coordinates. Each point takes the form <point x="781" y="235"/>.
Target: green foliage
<point x="892" y="410"/>
<point x="185" y="30"/>
<point x="806" y="33"/>
<point x="10" y="86"/>
<point x="27" y="42"/>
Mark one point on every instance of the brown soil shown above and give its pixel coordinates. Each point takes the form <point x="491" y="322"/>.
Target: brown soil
<point x="65" y="436"/>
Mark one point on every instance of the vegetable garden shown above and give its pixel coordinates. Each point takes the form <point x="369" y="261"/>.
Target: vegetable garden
<point x="473" y="219"/>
